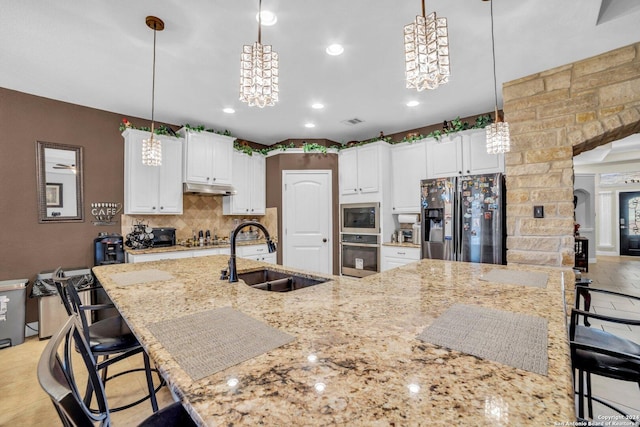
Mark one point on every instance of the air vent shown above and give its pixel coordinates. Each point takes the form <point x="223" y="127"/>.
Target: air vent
<point x="352" y="122"/>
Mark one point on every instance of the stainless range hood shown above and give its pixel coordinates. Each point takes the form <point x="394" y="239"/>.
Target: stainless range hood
<point x="209" y="189"/>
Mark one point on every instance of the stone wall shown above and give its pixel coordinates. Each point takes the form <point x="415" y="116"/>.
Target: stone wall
<point x="552" y="116"/>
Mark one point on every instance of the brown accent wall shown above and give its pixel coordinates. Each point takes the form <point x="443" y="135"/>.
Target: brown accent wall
<point x="289" y="161"/>
<point x="554" y="115"/>
<point x="29" y="247"/>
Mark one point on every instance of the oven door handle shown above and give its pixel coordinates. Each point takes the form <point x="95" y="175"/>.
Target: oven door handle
<point x="366" y="245"/>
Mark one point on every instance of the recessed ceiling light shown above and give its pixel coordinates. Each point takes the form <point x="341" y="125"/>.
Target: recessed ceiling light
<point x="229" y="110"/>
<point x="335" y="49"/>
<point x="309" y="125"/>
<point x="268" y="18"/>
<point x="317" y="106"/>
<point x="412" y="103"/>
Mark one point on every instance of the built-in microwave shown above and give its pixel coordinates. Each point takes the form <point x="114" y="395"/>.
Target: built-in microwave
<point x="360" y="218"/>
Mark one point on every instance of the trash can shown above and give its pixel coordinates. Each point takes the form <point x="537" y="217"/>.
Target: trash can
<point x="12" y="311"/>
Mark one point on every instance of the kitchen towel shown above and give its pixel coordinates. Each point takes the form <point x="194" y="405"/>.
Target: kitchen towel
<point x="514" y="339"/>
<point x="141" y="276"/>
<point x="530" y="278"/>
<point x="210" y="341"/>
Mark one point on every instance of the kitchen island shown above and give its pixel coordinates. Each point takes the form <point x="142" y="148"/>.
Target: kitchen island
<point x="355" y="359"/>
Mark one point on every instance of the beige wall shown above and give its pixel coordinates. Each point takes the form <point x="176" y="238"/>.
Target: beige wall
<point x="552" y="116"/>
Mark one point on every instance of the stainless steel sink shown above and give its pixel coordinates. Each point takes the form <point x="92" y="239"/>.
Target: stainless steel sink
<point x="278" y="281"/>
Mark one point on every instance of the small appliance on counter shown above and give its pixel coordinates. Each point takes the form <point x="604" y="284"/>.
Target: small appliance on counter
<point x="408" y="232"/>
<point x="163" y="237"/>
<point x="108" y="249"/>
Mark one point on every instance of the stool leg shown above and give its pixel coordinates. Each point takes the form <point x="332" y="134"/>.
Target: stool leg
<point x="152" y="392"/>
<point x="580" y="393"/>
<point x="589" y="401"/>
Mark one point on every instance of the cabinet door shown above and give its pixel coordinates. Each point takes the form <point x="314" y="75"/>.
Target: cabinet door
<point x="170" y="178"/>
<point x="140" y="181"/>
<point x="476" y="160"/>
<point x="239" y="203"/>
<point x="133" y="258"/>
<point x="258" y="184"/>
<point x="368" y="169"/>
<point x="198" y="158"/>
<point x="445" y="157"/>
<point x="348" y="171"/>
<point x="408" y="168"/>
<point x="222" y="160"/>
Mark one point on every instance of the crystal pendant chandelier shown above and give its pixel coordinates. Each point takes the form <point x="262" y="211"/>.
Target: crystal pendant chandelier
<point x="426" y="52"/>
<point x="152" y="147"/>
<point x="259" y="71"/>
<point x="498" y="140"/>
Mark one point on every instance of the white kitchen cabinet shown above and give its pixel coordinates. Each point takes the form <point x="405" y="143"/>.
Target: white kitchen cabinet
<point x="361" y="171"/>
<point x="463" y="153"/>
<point x="152" y="189"/>
<point x="256" y="253"/>
<point x="396" y="256"/>
<point x="249" y="180"/>
<point x="475" y="158"/>
<point x="408" y="168"/>
<point x="207" y="157"/>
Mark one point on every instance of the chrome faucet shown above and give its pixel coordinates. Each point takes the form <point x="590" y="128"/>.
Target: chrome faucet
<point x="232" y="272"/>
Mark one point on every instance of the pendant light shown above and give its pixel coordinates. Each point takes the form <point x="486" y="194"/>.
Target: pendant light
<point x="259" y="71"/>
<point x="426" y="52"/>
<point x="498" y="140"/>
<point x="152" y="147"/>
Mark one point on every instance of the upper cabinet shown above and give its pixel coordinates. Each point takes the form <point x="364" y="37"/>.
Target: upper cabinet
<point x="152" y="189"/>
<point x="207" y="157"/>
<point x="464" y="153"/>
<point x="249" y="179"/>
<point x="361" y="171"/>
<point x="408" y="168"/>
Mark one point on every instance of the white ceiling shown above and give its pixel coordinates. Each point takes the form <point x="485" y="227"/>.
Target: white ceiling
<point x="99" y="54"/>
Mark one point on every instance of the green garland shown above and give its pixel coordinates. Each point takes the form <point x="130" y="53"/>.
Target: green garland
<point x="454" y="126"/>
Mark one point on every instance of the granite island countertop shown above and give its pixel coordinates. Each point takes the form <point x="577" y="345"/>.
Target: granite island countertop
<point x="356" y="337"/>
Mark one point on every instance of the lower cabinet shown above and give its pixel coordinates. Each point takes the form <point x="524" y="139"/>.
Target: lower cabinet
<point x="396" y="256"/>
<point x="255" y="252"/>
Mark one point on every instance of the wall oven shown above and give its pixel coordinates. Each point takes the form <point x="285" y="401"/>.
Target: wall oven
<point x="357" y="218"/>
<point x="360" y="255"/>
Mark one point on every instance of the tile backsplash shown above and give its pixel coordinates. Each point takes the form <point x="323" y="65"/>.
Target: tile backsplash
<point x="200" y="213"/>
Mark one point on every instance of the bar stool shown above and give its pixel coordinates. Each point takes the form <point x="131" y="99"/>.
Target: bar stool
<point x="57" y="374"/>
<point x="595" y="351"/>
<point x="110" y="340"/>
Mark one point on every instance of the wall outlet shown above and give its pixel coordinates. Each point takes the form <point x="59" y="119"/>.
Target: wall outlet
<point x="538" y="211"/>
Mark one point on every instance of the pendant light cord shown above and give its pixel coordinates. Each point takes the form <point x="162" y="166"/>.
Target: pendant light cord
<point x="259" y="21"/>
<point x="153" y="82"/>
<point x="423" y="10"/>
<point x="493" y="51"/>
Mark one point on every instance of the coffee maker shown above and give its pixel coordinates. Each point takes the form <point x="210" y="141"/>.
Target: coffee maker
<point x="108" y="249"/>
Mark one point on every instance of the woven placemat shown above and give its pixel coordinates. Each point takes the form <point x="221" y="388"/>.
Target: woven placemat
<point x="141" y="276"/>
<point x="530" y="278"/>
<point x="207" y="342"/>
<point x="513" y="339"/>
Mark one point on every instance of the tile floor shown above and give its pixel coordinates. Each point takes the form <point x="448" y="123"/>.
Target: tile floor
<point x="23" y="403"/>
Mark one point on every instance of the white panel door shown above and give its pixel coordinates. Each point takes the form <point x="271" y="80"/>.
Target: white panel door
<point x="306" y="220"/>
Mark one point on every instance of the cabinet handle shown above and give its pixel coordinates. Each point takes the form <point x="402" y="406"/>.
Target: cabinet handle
<point x="459" y="172"/>
<point x="153" y="207"/>
<point x="214" y="178"/>
<point x="161" y="207"/>
<point x="360" y="189"/>
<point x="208" y="178"/>
<point x="355" y="190"/>
<point x="246" y="210"/>
<point x="251" y="210"/>
<point x="324" y="240"/>
<point x="394" y="209"/>
<point x="468" y="171"/>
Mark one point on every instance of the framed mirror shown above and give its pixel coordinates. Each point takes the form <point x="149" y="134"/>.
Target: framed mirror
<point x="60" y="189"/>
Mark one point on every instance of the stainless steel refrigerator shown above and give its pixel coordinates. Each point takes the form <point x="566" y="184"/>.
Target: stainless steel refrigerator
<point x="463" y="218"/>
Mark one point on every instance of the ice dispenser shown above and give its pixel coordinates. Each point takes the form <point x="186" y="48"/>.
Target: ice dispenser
<point x="436" y="219"/>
